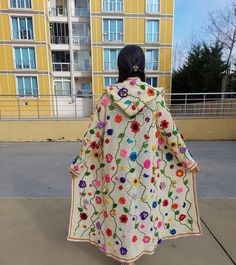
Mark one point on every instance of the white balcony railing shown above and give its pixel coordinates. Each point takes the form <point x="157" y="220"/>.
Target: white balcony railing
<point x="82" y="67"/>
<point x="113" y="36"/>
<point x="60" y="39"/>
<point x="58" y="12"/>
<point x="183" y="105"/>
<point x="152" y="37"/>
<point x="61" y="67"/>
<point x="82" y="40"/>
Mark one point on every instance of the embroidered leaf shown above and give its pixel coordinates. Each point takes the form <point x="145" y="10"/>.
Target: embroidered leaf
<point x="162" y="171"/>
<point x="136" y="225"/>
<point x="132" y="170"/>
<point x="170" y="193"/>
<point x="142" y="87"/>
<point x="97" y="191"/>
<point x="176" y="212"/>
<point x="151" y="218"/>
<point x="137" y="103"/>
<point x="159" y="201"/>
<point x="112" y="97"/>
<point x="91" y="131"/>
<point x="95" y="212"/>
<point x="92" y="229"/>
<point x="83" y="193"/>
<point x="87" y="173"/>
<point x="121" y="135"/>
<point x="175" y="132"/>
<point x="114" y="236"/>
<point x="162" y="103"/>
<point x="168" y="225"/>
<point x="190" y="221"/>
<point x="145" y="145"/>
<point x="87" y="151"/>
<point x="186" y="182"/>
<point x="80" y="209"/>
<point x="102" y="165"/>
<point x="114" y="205"/>
<point x="157" y="234"/>
<point x="126" y="210"/>
<point x="118" y="161"/>
<point x="111" y="107"/>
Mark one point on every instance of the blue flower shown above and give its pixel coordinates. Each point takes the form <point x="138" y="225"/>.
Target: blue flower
<point x="173" y="231"/>
<point x="123" y="92"/>
<point x="169" y="156"/>
<point x="144" y="215"/>
<point x="74" y="161"/>
<point x="133" y="156"/>
<point x="122" y="180"/>
<point x="123" y="250"/>
<point x="154" y="204"/>
<point x="109" y="131"/>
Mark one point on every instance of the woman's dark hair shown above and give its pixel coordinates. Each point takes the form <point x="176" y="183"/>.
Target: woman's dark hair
<point x="128" y="57"/>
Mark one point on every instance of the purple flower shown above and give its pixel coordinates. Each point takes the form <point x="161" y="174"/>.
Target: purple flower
<point x="98" y="225"/>
<point x="143" y="215"/>
<point x="182" y="149"/>
<point x="101" y="124"/>
<point x="82" y="184"/>
<point x="123" y="92"/>
<point x="123" y="250"/>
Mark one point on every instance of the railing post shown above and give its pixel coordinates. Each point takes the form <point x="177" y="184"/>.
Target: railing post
<point x="56" y="105"/>
<point x="75" y="108"/>
<point x="204" y="104"/>
<point x="185" y="104"/>
<point x="18" y="103"/>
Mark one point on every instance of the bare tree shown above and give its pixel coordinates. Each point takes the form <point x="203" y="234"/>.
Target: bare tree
<point x="222" y="28"/>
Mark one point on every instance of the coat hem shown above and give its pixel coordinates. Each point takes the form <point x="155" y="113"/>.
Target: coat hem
<point x="198" y="233"/>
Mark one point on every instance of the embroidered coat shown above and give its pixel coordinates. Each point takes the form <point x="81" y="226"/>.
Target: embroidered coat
<point x="131" y="181"/>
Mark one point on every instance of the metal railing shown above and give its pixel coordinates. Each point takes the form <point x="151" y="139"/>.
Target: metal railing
<point x="82" y="40"/>
<point x="60" y="39"/>
<point x="83" y="67"/>
<point x="80" y="106"/>
<point x="58" y="11"/>
<point x="61" y="67"/>
<point x="80" y="12"/>
<point x="112" y="6"/>
<point x="113" y="36"/>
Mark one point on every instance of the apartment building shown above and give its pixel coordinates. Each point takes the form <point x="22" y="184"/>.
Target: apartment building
<point x="25" y="64"/>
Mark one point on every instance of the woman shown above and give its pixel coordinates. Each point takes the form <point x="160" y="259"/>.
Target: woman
<point x="133" y="181"/>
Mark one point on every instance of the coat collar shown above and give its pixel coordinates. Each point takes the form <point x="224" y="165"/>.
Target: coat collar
<point x="132" y="94"/>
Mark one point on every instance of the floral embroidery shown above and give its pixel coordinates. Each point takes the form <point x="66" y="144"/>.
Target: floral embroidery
<point x="123" y="92"/>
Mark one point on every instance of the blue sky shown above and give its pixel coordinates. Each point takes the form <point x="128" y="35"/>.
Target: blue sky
<point x="190" y="16"/>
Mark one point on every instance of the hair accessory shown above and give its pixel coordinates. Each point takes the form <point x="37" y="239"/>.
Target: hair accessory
<point x="135" y="68"/>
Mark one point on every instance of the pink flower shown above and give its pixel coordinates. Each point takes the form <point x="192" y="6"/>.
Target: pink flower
<point x="98" y="183"/>
<point x="109" y="158"/>
<point x="180" y="189"/>
<point x="107" y="178"/>
<point x="104" y="247"/>
<point x="123" y="152"/>
<point x="132" y="82"/>
<point x="104" y="101"/>
<point x="147" y="163"/>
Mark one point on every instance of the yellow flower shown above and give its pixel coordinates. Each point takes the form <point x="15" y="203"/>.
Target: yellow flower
<point x="135" y="181"/>
<point x="170" y="220"/>
<point x="113" y="212"/>
<point x="122" y="168"/>
<point x="174" y="183"/>
<point x="173" y="144"/>
<point x="107" y="199"/>
<point x="154" y="146"/>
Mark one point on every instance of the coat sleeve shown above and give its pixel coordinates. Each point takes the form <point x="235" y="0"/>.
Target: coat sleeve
<point x="93" y="137"/>
<point x="167" y="127"/>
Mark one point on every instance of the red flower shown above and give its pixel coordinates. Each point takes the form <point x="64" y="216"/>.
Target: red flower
<point x="146" y="137"/>
<point x="157" y="134"/>
<point x="93" y="144"/>
<point x="109" y="232"/>
<point x="83" y="216"/>
<point x="107" y="141"/>
<point x="134" y="238"/>
<point x="105" y="214"/>
<point x="122" y="200"/>
<point x="133" y="107"/>
<point x="165" y="202"/>
<point x="152" y="180"/>
<point x="123" y="218"/>
<point x="118" y="118"/>
<point x="98" y="199"/>
<point x="175" y="205"/>
<point x="109" y="158"/>
<point x="92" y="167"/>
<point x="135" y="126"/>
<point x="120" y="187"/>
<point x="164" y="124"/>
<point x="182" y="216"/>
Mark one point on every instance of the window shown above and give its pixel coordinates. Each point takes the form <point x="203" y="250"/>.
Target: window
<point x="27" y="86"/>
<point x="153" y="81"/>
<point x="152" y="30"/>
<point x="113" y="5"/>
<point x="153" y="6"/>
<point x="112" y="30"/>
<point x="86" y="88"/>
<point x="61" y="61"/>
<point x="25" y="58"/>
<point x="151" y="56"/>
<point x="21" y="4"/>
<point x="22" y="28"/>
<point x="62" y="86"/>
<point x="110" y="81"/>
<point x="59" y="33"/>
<point x="110" y="59"/>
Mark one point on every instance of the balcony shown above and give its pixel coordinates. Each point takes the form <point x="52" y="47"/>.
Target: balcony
<point x="152" y="37"/>
<point x="80" y="12"/>
<point x="113" y="36"/>
<point x="58" y="12"/>
<point x="61" y="67"/>
<point x="60" y="39"/>
<point x="83" y="67"/>
<point x="82" y="40"/>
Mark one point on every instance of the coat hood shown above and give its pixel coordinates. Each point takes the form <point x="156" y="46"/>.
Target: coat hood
<point x="132" y="94"/>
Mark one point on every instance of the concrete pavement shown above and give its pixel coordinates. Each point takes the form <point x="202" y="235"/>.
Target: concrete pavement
<point x="35" y="204"/>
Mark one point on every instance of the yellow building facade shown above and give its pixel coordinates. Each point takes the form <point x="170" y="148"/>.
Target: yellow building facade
<point x="148" y="24"/>
<point x="25" y="67"/>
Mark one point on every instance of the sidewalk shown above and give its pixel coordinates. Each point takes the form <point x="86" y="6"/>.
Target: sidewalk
<point x="35" y="205"/>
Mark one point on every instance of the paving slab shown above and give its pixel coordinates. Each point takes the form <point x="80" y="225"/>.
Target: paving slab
<point x="33" y="232"/>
